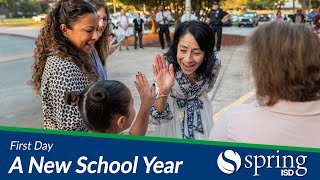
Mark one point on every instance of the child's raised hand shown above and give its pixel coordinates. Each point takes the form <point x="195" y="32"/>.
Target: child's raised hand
<point x="148" y="97"/>
<point x="147" y="92"/>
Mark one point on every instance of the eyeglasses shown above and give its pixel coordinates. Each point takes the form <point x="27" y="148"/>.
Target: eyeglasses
<point x="105" y="20"/>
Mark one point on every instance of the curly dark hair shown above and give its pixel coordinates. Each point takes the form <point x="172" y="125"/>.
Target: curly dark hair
<point x="102" y="44"/>
<point x="52" y="42"/>
<point x="203" y="34"/>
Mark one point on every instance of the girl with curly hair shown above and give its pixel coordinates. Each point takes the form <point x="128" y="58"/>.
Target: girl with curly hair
<point x="62" y="62"/>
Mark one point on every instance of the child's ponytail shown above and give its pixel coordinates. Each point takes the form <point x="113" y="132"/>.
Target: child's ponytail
<point x="72" y="98"/>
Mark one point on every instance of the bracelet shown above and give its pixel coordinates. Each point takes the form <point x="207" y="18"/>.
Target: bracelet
<point x="162" y="95"/>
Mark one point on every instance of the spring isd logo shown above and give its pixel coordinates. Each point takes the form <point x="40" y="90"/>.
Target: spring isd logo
<point x="230" y="162"/>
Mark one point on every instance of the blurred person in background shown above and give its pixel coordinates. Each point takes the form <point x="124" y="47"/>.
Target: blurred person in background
<point x="278" y="17"/>
<point x="193" y="17"/>
<point x="312" y="15"/>
<point x="298" y="17"/>
<point x="215" y="18"/>
<point x="316" y="23"/>
<point x="138" y="28"/>
<point x="163" y="19"/>
<point x="123" y="30"/>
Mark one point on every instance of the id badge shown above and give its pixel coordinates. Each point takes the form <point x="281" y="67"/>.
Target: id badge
<point x="217" y="14"/>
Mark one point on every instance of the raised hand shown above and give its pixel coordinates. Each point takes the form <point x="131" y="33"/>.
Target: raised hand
<point x="146" y="92"/>
<point x="163" y="76"/>
<point x="148" y="97"/>
<point x="112" y="47"/>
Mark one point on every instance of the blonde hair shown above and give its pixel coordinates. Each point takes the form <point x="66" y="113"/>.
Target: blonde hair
<point x="285" y="62"/>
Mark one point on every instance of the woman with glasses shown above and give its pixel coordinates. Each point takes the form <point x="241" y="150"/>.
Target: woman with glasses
<point x="104" y="46"/>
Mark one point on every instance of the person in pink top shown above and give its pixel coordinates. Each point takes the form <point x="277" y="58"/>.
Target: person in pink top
<point x="284" y="59"/>
<point x="279" y="18"/>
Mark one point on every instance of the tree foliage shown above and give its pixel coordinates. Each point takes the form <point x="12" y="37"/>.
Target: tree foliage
<point x="25" y="8"/>
<point x="265" y="4"/>
<point x="234" y="4"/>
<point x="176" y="7"/>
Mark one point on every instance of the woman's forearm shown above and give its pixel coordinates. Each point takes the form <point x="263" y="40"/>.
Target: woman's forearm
<point x="161" y="103"/>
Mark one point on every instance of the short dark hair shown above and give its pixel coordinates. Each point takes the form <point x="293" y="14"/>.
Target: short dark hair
<point x="203" y="34"/>
<point x="100" y="102"/>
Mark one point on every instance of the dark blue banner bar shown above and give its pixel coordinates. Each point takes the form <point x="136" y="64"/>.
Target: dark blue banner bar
<point x="42" y="154"/>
